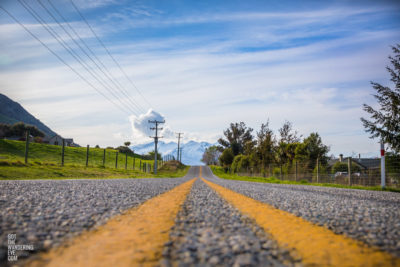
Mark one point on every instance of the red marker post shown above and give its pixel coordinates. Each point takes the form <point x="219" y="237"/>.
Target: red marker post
<point x="383" y="180"/>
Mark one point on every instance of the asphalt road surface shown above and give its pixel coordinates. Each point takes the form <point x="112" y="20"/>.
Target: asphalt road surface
<point x="209" y="229"/>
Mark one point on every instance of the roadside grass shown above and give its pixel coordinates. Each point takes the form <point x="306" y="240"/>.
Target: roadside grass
<point x="172" y="169"/>
<point x="45" y="163"/>
<point x="218" y="171"/>
<point x="14" y="151"/>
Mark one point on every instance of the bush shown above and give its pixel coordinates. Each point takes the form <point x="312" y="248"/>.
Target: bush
<point x="235" y="163"/>
<point x="240" y="162"/>
<point x="125" y="150"/>
<point x="226" y="157"/>
<point x="38" y="139"/>
<point x="343" y="167"/>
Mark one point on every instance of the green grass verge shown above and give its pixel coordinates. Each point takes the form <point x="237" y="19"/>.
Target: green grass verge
<point x="45" y="163"/>
<point x="218" y="171"/>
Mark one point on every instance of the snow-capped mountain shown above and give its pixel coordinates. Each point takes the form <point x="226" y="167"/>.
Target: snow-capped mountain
<point x="192" y="151"/>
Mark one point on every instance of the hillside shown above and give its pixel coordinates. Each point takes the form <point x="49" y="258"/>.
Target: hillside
<point x="12" y="112"/>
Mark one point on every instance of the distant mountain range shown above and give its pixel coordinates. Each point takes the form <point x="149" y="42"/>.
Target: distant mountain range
<point x="12" y="112"/>
<point x="192" y="151"/>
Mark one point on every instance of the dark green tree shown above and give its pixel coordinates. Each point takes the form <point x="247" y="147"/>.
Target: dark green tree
<point x="150" y="155"/>
<point x="265" y="145"/>
<point x="226" y="158"/>
<point x="385" y="122"/>
<point x="20" y="128"/>
<point x="312" y="149"/>
<point x="289" y="139"/>
<point x="238" y="136"/>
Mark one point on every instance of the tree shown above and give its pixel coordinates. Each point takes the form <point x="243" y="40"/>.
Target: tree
<point x="127" y="143"/>
<point x="312" y="149"/>
<point x="226" y="157"/>
<point x="237" y="138"/>
<point x="288" y="142"/>
<point x="265" y="145"/>
<point x="384" y="123"/>
<point x="4" y="130"/>
<point x="211" y="155"/>
<point x="150" y="155"/>
<point x="125" y="150"/>
<point x="287" y="134"/>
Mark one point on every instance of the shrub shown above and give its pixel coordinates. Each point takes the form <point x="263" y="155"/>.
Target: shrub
<point x="343" y="167"/>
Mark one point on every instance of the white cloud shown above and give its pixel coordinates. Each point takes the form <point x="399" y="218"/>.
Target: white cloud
<point x="141" y="127"/>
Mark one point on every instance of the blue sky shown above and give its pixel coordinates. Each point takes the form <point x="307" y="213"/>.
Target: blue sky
<point x="204" y="64"/>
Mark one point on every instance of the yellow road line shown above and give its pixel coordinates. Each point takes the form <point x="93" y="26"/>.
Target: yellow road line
<point x="133" y="238"/>
<point x="318" y="246"/>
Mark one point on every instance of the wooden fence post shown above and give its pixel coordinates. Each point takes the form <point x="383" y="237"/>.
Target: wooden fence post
<point x="62" y="152"/>
<point x="349" y="169"/>
<point x="295" y="177"/>
<point x="126" y="161"/>
<point x="116" y="160"/>
<point x="104" y="157"/>
<point x="26" y="146"/>
<point x="133" y="167"/>
<point x="87" y="155"/>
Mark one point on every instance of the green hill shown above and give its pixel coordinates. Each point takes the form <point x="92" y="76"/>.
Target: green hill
<point x="12" y="112"/>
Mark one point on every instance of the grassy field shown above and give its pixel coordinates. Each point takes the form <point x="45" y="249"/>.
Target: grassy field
<point x="45" y="163"/>
<point x="218" y="171"/>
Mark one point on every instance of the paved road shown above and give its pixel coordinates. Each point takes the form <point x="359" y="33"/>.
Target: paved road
<point x="369" y="216"/>
<point x="208" y="230"/>
<point x="45" y="212"/>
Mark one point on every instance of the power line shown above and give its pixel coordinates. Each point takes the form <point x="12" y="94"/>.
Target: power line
<point x="83" y="50"/>
<point x="71" y="51"/>
<point x="62" y="60"/>
<point x="64" y="44"/>
<point x="108" y="52"/>
<point x="106" y="72"/>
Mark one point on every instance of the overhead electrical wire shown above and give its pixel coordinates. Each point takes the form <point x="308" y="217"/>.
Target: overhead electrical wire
<point x="76" y="56"/>
<point x="62" y="60"/>
<point x="116" y="88"/>
<point x="103" y="68"/>
<point x="108" y="52"/>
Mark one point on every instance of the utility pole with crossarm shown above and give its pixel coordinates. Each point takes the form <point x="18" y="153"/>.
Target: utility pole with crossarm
<point x="156" y="122"/>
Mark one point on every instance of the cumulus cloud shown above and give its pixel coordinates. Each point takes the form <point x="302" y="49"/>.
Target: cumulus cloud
<point x="141" y="126"/>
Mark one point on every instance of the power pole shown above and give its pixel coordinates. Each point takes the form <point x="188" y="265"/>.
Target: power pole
<point x="180" y="155"/>
<point x="156" y="122"/>
<point x="179" y="139"/>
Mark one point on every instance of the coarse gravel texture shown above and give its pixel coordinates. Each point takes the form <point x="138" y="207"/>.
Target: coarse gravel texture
<point x="208" y="231"/>
<point x="44" y="213"/>
<point x="369" y="216"/>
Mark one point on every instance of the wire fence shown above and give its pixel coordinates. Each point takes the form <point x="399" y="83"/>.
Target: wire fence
<point x="44" y="154"/>
<point x="362" y="172"/>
